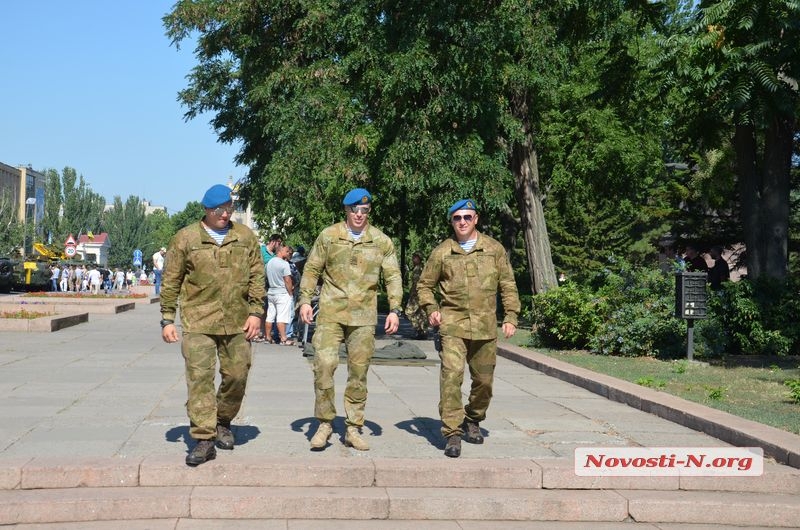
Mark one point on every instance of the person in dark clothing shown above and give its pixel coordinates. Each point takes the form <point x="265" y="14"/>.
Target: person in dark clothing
<point x="695" y="262"/>
<point x="720" y="271"/>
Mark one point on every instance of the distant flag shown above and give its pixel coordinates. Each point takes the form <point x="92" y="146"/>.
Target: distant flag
<point x="89" y="234"/>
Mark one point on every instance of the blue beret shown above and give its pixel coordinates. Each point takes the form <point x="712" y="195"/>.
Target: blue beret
<point x="216" y="195"/>
<point x="357" y="196"/>
<point x="463" y="204"/>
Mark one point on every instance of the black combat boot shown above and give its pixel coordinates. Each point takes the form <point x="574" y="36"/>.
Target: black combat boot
<point x="202" y="452"/>
<point x="453" y="447"/>
<point x="225" y="439"/>
<point x="472" y="432"/>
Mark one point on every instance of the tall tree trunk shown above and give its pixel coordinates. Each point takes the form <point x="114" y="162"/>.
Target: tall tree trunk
<point x="764" y="197"/>
<point x="775" y="196"/>
<point x="750" y="196"/>
<point x="525" y="167"/>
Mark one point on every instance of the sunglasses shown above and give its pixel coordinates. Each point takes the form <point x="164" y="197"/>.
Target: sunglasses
<point x="468" y="218"/>
<point x="358" y="209"/>
<point x="221" y="210"/>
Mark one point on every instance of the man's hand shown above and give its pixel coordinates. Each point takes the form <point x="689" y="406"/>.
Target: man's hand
<point x="169" y="333"/>
<point x="252" y="327"/>
<point x="435" y="319"/>
<point x="392" y="323"/>
<point x="509" y="329"/>
<point x="307" y="313"/>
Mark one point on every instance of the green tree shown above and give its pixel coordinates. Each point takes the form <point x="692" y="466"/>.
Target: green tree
<point x="602" y="136"/>
<point x="12" y="231"/>
<point x="127" y="230"/>
<point x="419" y="101"/>
<point x="53" y="201"/>
<point x="160" y="230"/>
<point x="192" y="213"/>
<point x="82" y="209"/>
<point x="740" y="61"/>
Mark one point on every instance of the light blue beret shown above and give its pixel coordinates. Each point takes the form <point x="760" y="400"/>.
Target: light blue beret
<point x="463" y="204"/>
<point x="216" y="195"/>
<point x="357" y="196"/>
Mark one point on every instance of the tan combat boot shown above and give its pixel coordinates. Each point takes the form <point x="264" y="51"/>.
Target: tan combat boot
<point x="353" y="439"/>
<point x="320" y="438"/>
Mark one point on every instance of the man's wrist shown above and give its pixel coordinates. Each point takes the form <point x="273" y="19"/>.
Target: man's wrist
<point x="166" y="322"/>
<point x="396" y="312"/>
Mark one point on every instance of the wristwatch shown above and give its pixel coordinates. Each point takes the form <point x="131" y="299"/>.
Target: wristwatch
<point x="165" y="322"/>
<point x="396" y="312"/>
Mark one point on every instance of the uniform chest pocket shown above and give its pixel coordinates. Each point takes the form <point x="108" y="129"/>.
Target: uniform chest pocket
<point x="454" y="273"/>
<point x="236" y="258"/>
<point x="488" y="275"/>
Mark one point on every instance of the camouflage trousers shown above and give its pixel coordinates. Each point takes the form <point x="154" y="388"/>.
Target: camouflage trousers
<point x="205" y="405"/>
<point x="481" y="357"/>
<point x="360" y="341"/>
<point x="416" y="315"/>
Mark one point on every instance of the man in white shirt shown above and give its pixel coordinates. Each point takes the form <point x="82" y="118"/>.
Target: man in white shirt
<point x="94" y="279"/>
<point x="158" y="266"/>
<point x="279" y="294"/>
<point x="55" y="272"/>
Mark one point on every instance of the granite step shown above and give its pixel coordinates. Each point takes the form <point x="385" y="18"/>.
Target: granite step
<point x="40" y="491"/>
<point x="378" y="503"/>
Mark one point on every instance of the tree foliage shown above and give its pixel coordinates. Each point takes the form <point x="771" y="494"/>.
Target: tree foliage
<point x="12" y="231"/>
<point x="192" y="213"/>
<point x="565" y="120"/>
<point x="740" y="61"/>
<point x="127" y="229"/>
<point x="421" y="102"/>
<point x="71" y="207"/>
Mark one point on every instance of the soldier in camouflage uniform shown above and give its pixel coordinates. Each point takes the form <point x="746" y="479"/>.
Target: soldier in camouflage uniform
<point x="414" y="313"/>
<point x="468" y="270"/>
<point x="350" y="258"/>
<point x="214" y="266"/>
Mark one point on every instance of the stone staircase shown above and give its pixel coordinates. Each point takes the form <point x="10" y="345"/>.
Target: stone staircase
<point x="40" y="490"/>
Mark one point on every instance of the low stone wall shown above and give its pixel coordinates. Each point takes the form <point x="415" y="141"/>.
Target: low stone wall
<point x="46" y="323"/>
<point x="66" y="305"/>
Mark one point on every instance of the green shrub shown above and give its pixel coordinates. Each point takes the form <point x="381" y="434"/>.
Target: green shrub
<point x="629" y="311"/>
<point x="643" y="329"/>
<point x="641" y="321"/>
<point x="749" y="317"/>
<point x="794" y="389"/>
<point x="566" y="317"/>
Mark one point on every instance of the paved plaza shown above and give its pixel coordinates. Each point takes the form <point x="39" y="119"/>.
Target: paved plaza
<point x="109" y="390"/>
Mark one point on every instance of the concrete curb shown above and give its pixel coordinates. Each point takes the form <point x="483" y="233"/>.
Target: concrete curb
<point x="783" y="446"/>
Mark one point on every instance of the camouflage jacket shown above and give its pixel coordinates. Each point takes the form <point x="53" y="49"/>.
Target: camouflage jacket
<point x="468" y="286"/>
<point x="218" y="286"/>
<point x="350" y="273"/>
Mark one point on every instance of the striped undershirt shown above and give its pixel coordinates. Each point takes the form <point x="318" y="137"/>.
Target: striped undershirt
<point x="217" y="236"/>
<point x="355" y="235"/>
<point x="467" y="245"/>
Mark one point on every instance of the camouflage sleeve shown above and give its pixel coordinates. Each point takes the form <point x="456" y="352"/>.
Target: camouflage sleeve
<point x="392" y="277"/>
<point x="315" y="264"/>
<point x="428" y="280"/>
<point x="172" y="277"/>
<point x="255" y="286"/>
<point x="508" y="289"/>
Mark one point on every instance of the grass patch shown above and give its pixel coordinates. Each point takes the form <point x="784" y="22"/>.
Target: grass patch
<point x="766" y="394"/>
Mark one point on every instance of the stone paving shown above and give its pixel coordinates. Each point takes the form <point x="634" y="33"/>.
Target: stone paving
<point x="111" y="390"/>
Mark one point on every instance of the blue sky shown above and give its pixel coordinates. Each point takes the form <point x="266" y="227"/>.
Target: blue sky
<point x="92" y="84"/>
